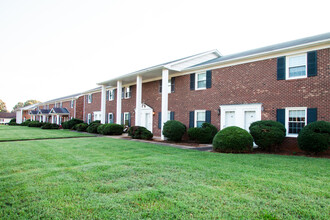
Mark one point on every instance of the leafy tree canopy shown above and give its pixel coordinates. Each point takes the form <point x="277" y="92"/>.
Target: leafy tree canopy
<point x="3" y="107"/>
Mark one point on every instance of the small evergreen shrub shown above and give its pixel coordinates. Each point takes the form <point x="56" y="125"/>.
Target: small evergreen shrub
<point x="71" y="123"/>
<point x="12" y="122"/>
<point x="81" y="127"/>
<point x="95" y="122"/>
<point x="50" y="126"/>
<point x="110" y="129"/>
<point x="267" y="134"/>
<point x="26" y="123"/>
<point x="233" y="139"/>
<point x="92" y="128"/>
<point x="204" y="134"/>
<point x="315" y="137"/>
<point x="174" y="130"/>
<point x="139" y="132"/>
<point x="36" y="124"/>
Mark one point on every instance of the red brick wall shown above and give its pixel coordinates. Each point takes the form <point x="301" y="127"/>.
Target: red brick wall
<point x="94" y="106"/>
<point x="80" y="107"/>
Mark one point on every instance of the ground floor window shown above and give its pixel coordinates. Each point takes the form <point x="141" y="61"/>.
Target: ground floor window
<point x="127" y="118"/>
<point x="200" y="118"/>
<point x="295" y="120"/>
<point x="89" y="118"/>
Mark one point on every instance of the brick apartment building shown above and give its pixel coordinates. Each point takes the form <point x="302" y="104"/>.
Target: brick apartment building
<point x="288" y="82"/>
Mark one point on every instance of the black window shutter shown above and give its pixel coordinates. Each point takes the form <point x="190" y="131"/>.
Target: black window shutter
<point x="172" y="84"/>
<point x="130" y="91"/>
<point x="160" y="86"/>
<point x="129" y="119"/>
<point x="91" y="98"/>
<point x="208" y="79"/>
<point x="280" y="68"/>
<point x="106" y="119"/>
<point x="114" y="94"/>
<point x="159" y="120"/>
<point x="122" y="119"/>
<point x="86" y="100"/>
<point x="311" y="115"/>
<point x="191" y="119"/>
<point x="171" y="115"/>
<point x="312" y="63"/>
<point x="192" y="81"/>
<point x="280" y="116"/>
<point x="107" y="94"/>
<point x="208" y="116"/>
<point x="122" y="92"/>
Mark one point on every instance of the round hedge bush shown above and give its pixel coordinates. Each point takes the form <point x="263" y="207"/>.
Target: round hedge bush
<point x="233" y="139"/>
<point x="204" y="134"/>
<point x="315" y="137"/>
<point x="12" y="122"/>
<point x="92" y="128"/>
<point x="174" y="130"/>
<point x="71" y="123"/>
<point x="50" y="126"/>
<point x="36" y="124"/>
<point x="139" y="132"/>
<point x="267" y="134"/>
<point x="81" y="127"/>
<point x="110" y="129"/>
<point x="26" y="123"/>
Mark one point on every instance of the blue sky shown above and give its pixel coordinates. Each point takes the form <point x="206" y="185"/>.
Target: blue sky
<point x="50" y="49"/>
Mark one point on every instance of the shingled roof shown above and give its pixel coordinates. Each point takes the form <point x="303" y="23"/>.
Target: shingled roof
<point x="59" y="111"/>
<point x="7" y="115"/>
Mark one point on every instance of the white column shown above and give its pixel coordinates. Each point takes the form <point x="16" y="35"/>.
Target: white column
<point x="119" y="93"/>
<point x="138" y="101"/>
<point x="58" y="119"/>
<point x="44" y="118"/>
<point x="40" y="118"/>
<point x="52" y="119"/>
<point x="164" y="99"/>
<point x="103" y="104"/>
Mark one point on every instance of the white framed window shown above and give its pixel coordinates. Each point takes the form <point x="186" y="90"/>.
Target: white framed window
<point x="169" y="115"/>
<point x="295" y="120"/>
<point x="126" y="118"/>
<point x="296" y="66"/>
<point x="89" y="118"/>
<point x="169" y="86"/>
<point x="200" y="118"/>
<point x="110" y="118"/>
<point x="72" y="103"/>
<point x="111" y="94"/>
<point x="89" y="98"/>
<point x="128" y="92"/>
<point x="60" y="104"/>
<point x="200" y="80"/>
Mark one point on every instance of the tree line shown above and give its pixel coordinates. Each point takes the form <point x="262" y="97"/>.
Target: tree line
<point x="3" y="107"/>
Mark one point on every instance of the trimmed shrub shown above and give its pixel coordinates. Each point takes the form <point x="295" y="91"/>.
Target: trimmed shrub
<point x="95" y="122"/>
<point x="26" y="123"/>
<point x="12" y="122"/>
<point x="139" y="132"/>
<point x="233" y="139"/>
<point x="315" y="137"/>
<point x="267" y="134"/>
<point x="81" y="127"/>
<point x="50" y="126"/>
<point x="110" y="129"/>
<point x="71" y="123"/>
<point x="174" y="130"/>
<point x="204" y="134"/>
<point x="36" y="124"/>
<point x="92" y="128"/>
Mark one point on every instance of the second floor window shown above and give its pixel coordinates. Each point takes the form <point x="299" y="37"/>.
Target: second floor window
<point x="128" y="92"/>
<point x="111" y="94"/>
<point x="89" y="98"/>
<point x="201" y="81"/>
<point x="296" y="66"/>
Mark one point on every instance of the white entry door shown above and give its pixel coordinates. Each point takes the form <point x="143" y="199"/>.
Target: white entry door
<point x="250" y="117"/>
<point x="229" y="119"/>
<point x="146" y="117"/>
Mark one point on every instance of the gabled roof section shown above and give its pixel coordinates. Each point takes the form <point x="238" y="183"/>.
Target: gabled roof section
<point x="173" y="66"/>
<point x="74" y="96"/>
<point x="269" y="49"/>
<point x="44" y="111"/>
<point x="33" y="112"/>
<point x="59" y="111"/>
<point x="28" y="107"/>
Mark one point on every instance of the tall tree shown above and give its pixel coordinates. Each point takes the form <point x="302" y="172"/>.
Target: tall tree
<point x="30" y="102"/>
<point x="18" y="105"/>
<point x="3" y="107"/>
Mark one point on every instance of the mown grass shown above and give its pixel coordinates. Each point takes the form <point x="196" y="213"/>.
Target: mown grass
<point x="104" y="178"/>
<point x="10" y="133"/>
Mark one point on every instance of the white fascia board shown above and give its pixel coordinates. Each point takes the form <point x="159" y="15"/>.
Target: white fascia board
<point x="264" y="55"/>
<point x="139" y="72"/>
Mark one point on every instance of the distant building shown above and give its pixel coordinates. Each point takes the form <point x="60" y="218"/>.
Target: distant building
<point x="5" y="117"/>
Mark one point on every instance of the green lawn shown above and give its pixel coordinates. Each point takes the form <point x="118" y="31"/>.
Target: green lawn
<point x="118" y="179"/>
<point x="8" y="133"/>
